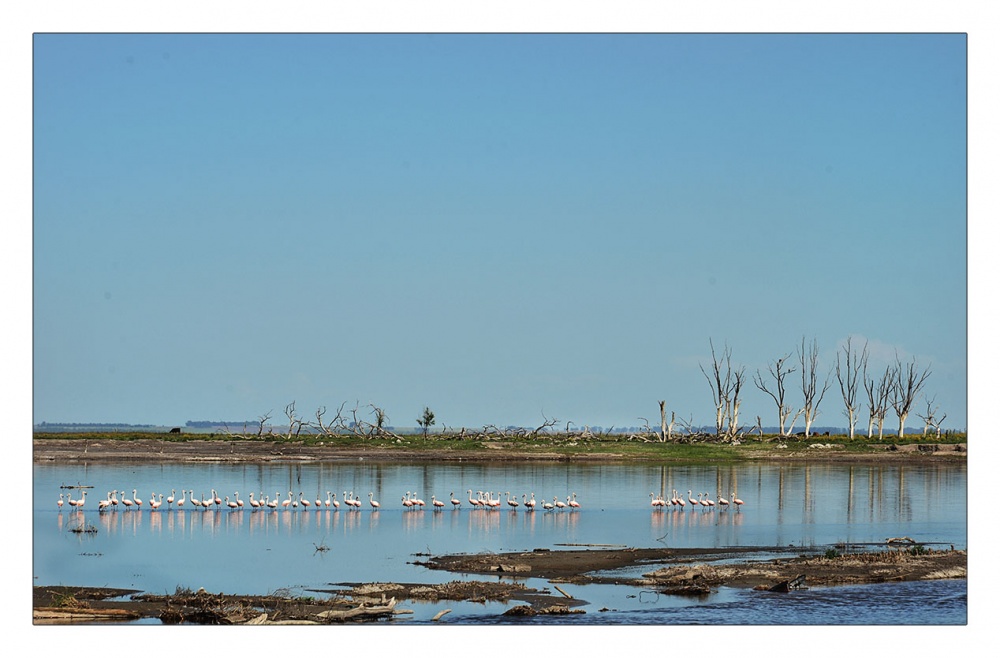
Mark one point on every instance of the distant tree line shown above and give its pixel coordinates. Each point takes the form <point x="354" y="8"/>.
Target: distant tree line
<point x="46" y="425"/>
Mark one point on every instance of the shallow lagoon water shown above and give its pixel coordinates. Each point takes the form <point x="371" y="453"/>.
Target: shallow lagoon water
<point x="259" y="552"/>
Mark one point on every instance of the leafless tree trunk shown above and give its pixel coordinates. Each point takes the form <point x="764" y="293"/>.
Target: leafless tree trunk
<point x="878" y="398"/>
<point x="381" y="419"/>
<point x="853" y="365"/>
<point x="335" y="426"/>
<point x="905" y="388"/>
<point x="294" y="423"/>
<point x="778" y="373"/>
<point x="261" y="420"/>
<point x="545" y="425"/>
<point x="930" y="418"/>
<point x="720" y="387"/>
<point x="666" y="429"/>
<point x="739" y="377"/>
<point x="810" y="363"/>
<point x="726" y="387"/>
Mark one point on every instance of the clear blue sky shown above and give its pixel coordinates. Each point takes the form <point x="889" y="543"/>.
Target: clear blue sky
<point x="496" y="226"/>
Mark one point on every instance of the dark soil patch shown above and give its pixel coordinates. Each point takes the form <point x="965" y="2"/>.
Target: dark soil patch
<point x="693" y="570"/>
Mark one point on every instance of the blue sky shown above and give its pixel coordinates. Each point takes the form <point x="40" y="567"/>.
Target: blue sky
<point x="501" y="227"/>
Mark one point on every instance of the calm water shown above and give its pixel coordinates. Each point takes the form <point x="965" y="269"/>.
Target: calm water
<point x="258" y="552"/>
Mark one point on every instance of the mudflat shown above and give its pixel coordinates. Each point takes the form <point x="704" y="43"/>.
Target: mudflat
<point x="686" y="572"/>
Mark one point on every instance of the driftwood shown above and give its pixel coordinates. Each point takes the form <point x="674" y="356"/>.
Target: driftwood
<point x="57" y="615"/>
<point x="441" y="614"/>
<point x="528" y="611"/>
<point x="562" y="592"/>
<point x="899" y="540"/>
<point x="360" y="612"/>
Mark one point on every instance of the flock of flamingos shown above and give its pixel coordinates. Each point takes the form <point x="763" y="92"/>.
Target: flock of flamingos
<point x="483" y="500"/>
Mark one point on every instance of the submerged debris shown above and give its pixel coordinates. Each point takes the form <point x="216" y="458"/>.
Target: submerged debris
<point x="529" y="611"/>
<point x="788" y="585"/>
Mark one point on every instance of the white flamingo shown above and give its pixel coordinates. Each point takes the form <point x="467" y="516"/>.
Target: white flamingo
<point x="60" y="503"/>
<point x="438" y="504"/>
<point x="572" y="502"/>
<point x="736" y="501"/>
<point x="455" y="501"/>
<point x="372" y="501"/>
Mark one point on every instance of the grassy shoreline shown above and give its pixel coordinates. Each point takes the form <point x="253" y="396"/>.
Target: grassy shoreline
<point x="157" y="445"/>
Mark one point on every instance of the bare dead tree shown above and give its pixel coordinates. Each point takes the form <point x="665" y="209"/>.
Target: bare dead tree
<point x="381" y="418"/>
<point x="778" y="372"/>
<point x="261" y="420"/>
<point x="545" y="425"/>
<point x="719" y="384"/>
<point x="878" y="398"/>
<point x="809" y="360"/>
<point x="905" y="387"/>
<point x="666" y="429"/>
<point x="294" y="422"/>
<point x="647" y="431"/>
<point x="929" y="418"/>
<point x="726" y="384"/>
<point x="853" y="365"/>
<point x="336" y="424"/>
<point x="733" y="407"/>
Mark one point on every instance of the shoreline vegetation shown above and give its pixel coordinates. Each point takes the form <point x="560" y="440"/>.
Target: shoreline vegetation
<point x="682" y="572"/>
<point x="159" y="446"/>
